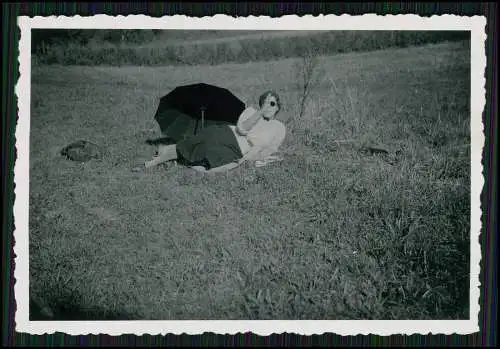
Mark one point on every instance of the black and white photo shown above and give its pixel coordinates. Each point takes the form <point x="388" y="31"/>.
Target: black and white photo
<point x="321" y="172"/>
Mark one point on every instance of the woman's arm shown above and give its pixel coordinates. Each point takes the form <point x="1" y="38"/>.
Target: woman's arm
<point x="245" y="123"/>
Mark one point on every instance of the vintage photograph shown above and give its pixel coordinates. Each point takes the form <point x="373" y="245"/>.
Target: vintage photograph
<point x="249" y="174"/>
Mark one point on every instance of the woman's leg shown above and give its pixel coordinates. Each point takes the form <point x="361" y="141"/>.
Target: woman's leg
<point x="165" y="153"/>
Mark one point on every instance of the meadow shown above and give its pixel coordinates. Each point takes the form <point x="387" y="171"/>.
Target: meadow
<point x="334" y="231"/>
<point x="179" y="47"/>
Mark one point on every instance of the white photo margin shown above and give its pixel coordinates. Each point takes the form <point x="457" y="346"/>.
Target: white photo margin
<point x="476" y="25"/>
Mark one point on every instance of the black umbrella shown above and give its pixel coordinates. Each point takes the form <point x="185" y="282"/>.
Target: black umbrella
<point x="187" y="109"/>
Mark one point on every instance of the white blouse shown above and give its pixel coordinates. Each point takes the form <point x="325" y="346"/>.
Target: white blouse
<point x="264" y="134"/>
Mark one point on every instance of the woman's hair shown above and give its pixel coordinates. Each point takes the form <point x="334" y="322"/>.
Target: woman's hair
<point x="263" y="97"/>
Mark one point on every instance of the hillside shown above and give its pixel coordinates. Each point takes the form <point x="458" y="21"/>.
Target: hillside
<point x="108" y="47"/>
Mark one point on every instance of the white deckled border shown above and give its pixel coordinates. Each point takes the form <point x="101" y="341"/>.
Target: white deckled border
<point x="475" y="24"/>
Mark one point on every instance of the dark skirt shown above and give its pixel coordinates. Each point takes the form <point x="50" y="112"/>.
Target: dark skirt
<point x="213" y="146"/>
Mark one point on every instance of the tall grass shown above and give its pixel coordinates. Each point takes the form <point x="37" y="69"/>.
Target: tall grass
<point x="407" y="214"/>
<point x="103" y="49"/>
<point x="329" y="233"/>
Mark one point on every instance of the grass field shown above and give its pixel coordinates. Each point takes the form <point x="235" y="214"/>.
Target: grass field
<point x="331" y="232"/>
<point x="191" y="47"/>
<point x="221" y="36"/>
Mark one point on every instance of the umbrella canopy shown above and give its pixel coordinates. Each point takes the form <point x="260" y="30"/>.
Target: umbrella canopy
<point x="187" y="109"/>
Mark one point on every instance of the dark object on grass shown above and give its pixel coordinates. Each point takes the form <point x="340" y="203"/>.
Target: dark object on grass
<point x="81" y="151"/>
<point x="188" y="109"/>
<point x="390" y="157"/>
<point x="374" y="150"/>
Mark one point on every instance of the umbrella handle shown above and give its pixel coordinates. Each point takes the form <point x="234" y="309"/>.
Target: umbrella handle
<point x="202" y="118"/>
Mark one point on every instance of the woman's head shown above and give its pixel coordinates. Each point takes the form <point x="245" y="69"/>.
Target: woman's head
<point x="270" y="102"/>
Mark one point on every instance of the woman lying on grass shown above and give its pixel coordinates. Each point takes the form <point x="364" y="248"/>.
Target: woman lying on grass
<point x="256" y="136"/>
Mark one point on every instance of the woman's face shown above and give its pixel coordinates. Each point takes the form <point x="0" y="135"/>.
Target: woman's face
<point x="270" y="107"/>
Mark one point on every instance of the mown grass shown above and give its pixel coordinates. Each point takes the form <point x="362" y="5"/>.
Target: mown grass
<point x="329" y="233"/>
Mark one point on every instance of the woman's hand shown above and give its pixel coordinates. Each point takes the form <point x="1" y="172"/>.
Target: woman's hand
<point x="267" y="112"/>
<point x="243" y="127"/>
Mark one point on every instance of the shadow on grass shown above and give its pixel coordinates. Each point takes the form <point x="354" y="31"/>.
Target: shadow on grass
<point x="70" y="310"/>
